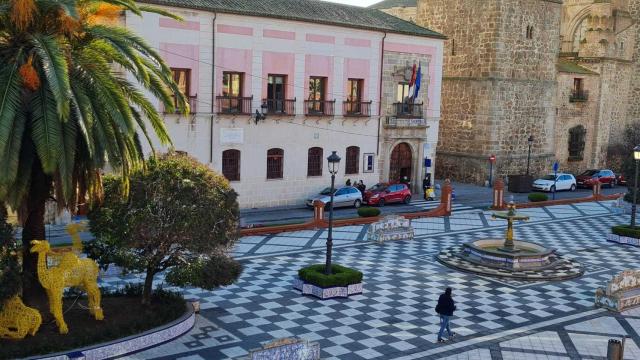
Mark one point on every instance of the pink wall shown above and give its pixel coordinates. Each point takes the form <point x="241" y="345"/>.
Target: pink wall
<point x="280" y="64"/>
<point x="165" y="22"/>
<point x="318" y="65"/>
<point x="357" y="69"/>
<point x="357" y="42"/>
<point x="234" y="60"/>
<point x="321" y="38"/>
<point x="237" y="30"/>
<point x="277" y="34"/>
<point x="423" y="50"/>
<point x="185" y="57"/>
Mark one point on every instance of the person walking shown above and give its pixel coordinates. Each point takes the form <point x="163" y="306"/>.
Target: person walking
<point x="445" y="308"/>
<point x="362" y="187"/>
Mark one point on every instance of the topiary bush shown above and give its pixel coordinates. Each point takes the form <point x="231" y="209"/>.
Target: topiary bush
<point x="10" y="272"/>
<point x="368" y="211"/>
<point x="626" y="230"/>
<point x="537" y="197"/>
<point x="340" y="276"/>
<point x="628" y="197"/>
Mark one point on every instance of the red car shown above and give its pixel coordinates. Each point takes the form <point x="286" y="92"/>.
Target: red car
<point x="381" y="194"/>
<point x="590" y="177"/>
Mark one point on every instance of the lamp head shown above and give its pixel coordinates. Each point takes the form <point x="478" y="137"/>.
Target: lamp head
<point x="334" y="161"/>
<point x="530" y="139"/>
<point x="636" y="153"/>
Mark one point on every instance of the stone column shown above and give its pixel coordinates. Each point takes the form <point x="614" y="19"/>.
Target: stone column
<point x="445" y="198"/>
<point x="498" y="194"/>
<point x="318" y="211"/>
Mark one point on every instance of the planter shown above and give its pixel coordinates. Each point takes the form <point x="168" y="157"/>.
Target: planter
<point x="326" y="292"/>
<point x="623" y="239"/>
<point x="520" y="183"/>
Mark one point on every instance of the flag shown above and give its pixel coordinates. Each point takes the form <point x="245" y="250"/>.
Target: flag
<point x="413" y="76"/>
<point x="417" y="82"/>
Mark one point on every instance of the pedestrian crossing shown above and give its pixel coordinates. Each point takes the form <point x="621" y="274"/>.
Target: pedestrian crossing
<point x="428" y="205"/>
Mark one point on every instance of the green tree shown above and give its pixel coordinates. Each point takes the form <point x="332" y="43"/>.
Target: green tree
<point x="10" y="282"/>
<point x="65" y="110"/>
<point x="179" y="216"/>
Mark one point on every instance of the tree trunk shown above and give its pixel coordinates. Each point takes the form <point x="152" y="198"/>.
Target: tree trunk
<point x="33" y="229"/>
<point x="148" y="287"/>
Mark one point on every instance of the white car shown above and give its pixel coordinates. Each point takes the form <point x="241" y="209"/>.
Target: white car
<point x="552" y="183"/>
<point x="345" y="196"/>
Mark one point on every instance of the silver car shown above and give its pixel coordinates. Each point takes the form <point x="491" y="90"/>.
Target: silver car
<point x="344" y="196"/>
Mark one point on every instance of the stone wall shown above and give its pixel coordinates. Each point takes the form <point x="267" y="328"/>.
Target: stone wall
<point x="633" y="110"/>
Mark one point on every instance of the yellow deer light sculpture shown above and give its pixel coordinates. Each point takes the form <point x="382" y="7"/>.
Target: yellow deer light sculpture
<point x="17" y="320"/>
<point x="71" y="272"/>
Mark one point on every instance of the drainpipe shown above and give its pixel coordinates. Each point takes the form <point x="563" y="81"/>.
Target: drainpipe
<point x="213" y="87"/>
<point x="380" y="93"/>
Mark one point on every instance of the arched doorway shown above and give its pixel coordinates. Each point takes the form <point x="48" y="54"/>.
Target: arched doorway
<point x="400" y="162"/>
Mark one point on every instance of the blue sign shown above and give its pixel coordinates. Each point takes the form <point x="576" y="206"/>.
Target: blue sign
<point x="556" y="166"/>
<point x="427" y="162"/>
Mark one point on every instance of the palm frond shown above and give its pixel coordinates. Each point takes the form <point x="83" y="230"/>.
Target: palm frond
<point x="54" y="66"/>
<point x="46" y="129"/>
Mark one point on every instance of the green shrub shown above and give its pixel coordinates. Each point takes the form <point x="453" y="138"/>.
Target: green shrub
<point x="340" y="275"/>
<point x="626" y="230"/>
<point x="537" y="197"/>
<point x="368" y="211"/>
<point x="628" y="197"/>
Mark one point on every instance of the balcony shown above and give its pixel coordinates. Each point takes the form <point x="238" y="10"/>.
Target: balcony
<point x="319" y="107"/>
<point x="356" y="108"/>
<point x="394" y="122"/>
<point x="234" y="105"/>
<point x="193" y="106"/>
<point x="579" y="96"/>
<point x="408" y="110"/>
<point x="279" y="107"/>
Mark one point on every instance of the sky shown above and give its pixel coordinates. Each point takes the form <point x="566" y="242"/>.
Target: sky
<point x="356" y="2"/>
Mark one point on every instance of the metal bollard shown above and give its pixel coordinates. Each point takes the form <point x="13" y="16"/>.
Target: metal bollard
<point x="614" y="350"/>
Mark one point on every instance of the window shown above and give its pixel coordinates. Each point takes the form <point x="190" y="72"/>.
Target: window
<point x="354" y="96"/>
<point x="275" y="163"/>
<point x="577" y="85"/>
<point x="353" y="158"/>
<point x="529" y="34"/>
<point x="314" y="162"/>
<point x="276" y="93"/>
<point x="182" y="77"/>
<point x="403" y="92"/>
<point x="453" y="46"/>
<point x="231" y="164"/>
<point x="317" y="87"/>
<point x="232" y="84"/>
<point x="343" y="191"/>
<point x="576" y="143"/>
<point x="368" y="162"/>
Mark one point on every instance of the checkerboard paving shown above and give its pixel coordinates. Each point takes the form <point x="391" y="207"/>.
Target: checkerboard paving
<point x="395" y="315"/>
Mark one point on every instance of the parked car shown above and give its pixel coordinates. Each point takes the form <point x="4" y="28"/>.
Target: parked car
<point x="620" y="180"/>
<point x="382" y="193"/>
<point x="590" y="177"/>
<point x="552" y="183"/>
<point x="342" y="197"/>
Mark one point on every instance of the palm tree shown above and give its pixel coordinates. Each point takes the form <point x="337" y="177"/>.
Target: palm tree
<point x="71" y="103"/>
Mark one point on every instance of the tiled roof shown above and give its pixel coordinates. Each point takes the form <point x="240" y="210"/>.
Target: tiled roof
<point x="309" y="11"/>
<point x="573" y="68"/>
<point x="387" y="4"/>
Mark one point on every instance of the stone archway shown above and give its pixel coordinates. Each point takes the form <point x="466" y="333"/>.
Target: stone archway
<point x="401" y="162"/>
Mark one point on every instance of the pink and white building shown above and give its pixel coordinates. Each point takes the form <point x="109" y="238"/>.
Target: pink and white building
<point x="323" y="77"/>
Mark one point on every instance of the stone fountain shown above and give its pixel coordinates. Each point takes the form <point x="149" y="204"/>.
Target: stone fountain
<point x="509" y="257"/>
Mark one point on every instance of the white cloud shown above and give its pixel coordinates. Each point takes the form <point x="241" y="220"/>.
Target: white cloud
<point x="362" y="3"/>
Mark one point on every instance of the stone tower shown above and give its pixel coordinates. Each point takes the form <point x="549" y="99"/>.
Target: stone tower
<point x="499" y="84"/>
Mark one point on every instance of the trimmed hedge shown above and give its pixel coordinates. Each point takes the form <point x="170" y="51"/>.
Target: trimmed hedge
<point x="340" y="276"/>
<point x="537" y="197"/>
<point x="626" y="230"/>
<point x="368" y="211"/>
<point x="628" y="197"/>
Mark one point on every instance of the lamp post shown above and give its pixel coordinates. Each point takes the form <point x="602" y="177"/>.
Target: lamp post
<point x="530" y="141"/>
<point x="334" y="162"/>
<point x="636" y="157"/>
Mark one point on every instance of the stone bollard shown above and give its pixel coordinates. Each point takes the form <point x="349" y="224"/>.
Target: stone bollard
<point x="597" y="189"/>
<point x="318" y="211"/>
<point x="615" y="349"/>
<point x="498" y="194"/>
<point x="445" y="198"/>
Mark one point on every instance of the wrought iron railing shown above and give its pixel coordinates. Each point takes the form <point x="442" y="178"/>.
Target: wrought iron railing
<point x="319" y="107"/>
<point x="193" y="105"/>
<point x="579" y="96"/>
<point x="279" y="107"/>
<point x="408" y="110"/>
<point x="234" y="104"/>
<point x="356" y="108"/>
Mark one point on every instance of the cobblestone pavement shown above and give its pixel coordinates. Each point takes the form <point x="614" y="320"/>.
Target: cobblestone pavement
<point x="394" y="317"/>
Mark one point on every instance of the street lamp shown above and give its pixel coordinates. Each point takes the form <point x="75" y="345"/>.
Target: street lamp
<point x="636" y="157"/>
<point x="530" y="141"/>
<point x="334" y="162"/>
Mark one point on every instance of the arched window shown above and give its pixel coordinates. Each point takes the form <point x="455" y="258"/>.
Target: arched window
<point x="314" y="162"/>
<point x="275" y="163"/>
<point x="231" y="164"/>
<point x="352" y="160"/>
<point x="576" y="143"/>
<point x="579" y="36"/>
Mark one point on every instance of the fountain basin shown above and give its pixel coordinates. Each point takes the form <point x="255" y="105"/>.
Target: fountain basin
<point x="525" y="255"/>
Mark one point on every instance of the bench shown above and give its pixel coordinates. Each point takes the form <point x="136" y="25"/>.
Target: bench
<point x="622" y="292"/>
<point x="287" y="349"/>
<point x="391" y="227"/>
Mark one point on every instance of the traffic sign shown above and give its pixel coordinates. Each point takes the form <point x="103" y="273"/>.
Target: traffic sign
<point x="492" y="158"/>
<point x="556" y="166"/>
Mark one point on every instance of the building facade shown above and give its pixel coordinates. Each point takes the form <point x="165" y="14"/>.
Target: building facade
<point x="562" y="72"/>
<point x="273" y="92"/>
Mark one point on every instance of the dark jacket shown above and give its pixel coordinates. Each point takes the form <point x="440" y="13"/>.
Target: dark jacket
<point x="446" y="305"/>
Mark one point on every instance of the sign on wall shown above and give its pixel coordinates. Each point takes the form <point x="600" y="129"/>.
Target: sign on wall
<point x="232" y="136"/>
